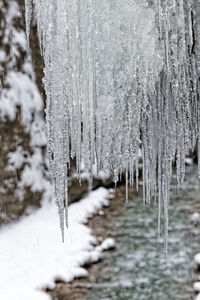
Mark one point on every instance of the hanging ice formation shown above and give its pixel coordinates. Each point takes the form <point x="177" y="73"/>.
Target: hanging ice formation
<point x="120" y="75"/>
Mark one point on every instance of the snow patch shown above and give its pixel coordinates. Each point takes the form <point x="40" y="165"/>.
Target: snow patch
<point x="197" y="286"/>
<point x="195" y="218"/>
<point x="197" y="259"/>
<point x="189" y="161"/>
<point x="107" y="244"/>
<point x="32" y="255"/>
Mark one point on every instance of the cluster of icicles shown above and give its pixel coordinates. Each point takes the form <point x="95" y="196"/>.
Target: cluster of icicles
<point x="121" y="76"/>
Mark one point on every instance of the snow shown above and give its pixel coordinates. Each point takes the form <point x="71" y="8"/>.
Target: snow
<point x="20" y="90"/>
<point x="189" y="161"/>
<point x="107" y="244"/>
<point x="195" y="218"/>
<point x="101" y="212"/>
<point x="32" y="254"/>
<point x="197" y="259"/>
<point x="197" y="286"/>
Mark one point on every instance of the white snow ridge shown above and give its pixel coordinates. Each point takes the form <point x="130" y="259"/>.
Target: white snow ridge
<point x="32" y="254"/>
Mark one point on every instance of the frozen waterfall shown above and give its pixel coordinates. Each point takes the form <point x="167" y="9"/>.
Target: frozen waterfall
<point x="120" y="75"/>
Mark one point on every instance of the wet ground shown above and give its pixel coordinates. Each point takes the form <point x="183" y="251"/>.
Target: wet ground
<point x="137" y="269"/>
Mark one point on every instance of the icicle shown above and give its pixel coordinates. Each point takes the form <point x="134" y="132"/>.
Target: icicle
<point x="126" y="185"/>
<point x="28" y="11"/>
<point x="120" y="76"/>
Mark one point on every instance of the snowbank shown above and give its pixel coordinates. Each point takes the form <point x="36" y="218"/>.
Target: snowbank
<point x="32" y="255"/>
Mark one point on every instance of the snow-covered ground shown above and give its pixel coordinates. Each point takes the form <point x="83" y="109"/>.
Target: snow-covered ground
<point x="32" y="254"/>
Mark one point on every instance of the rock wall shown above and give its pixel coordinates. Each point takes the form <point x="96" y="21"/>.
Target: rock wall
<point x="22" y="130"/>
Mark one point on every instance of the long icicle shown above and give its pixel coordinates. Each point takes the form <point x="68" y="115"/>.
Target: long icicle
<point x="120" y="76"/>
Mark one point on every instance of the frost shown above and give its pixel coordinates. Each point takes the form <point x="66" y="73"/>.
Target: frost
<point x="120" y="77"/>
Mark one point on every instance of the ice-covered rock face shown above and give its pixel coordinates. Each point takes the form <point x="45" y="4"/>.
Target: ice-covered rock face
<point x="119" y="76"/>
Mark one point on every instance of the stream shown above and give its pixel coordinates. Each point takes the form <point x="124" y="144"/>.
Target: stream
<point x="137" y="269"/>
